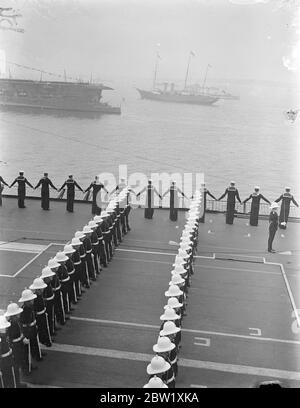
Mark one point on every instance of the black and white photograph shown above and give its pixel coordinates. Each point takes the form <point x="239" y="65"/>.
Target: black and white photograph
<point x="149" y="197"/>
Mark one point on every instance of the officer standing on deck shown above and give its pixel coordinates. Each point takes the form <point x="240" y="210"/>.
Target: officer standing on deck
<point x="1" y="188"/>
<point x="232" y="194"/>
<point x="70" y="183"/>
<point x="273" y="225"/>
<point x="149" y="205"/>
<point x="286" y="198"/>
<point x="205" y="194"/>
<point x="256" y="197"/>
<point x="96" y="186"/>
<point x="22" y="181"/>
<point x="45" y="182"/>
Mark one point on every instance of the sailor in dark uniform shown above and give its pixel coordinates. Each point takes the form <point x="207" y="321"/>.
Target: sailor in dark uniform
<point x="29" y="327"/>
<point x="273" y="225"/>
<point x="232" y="194"/>
<point x="16" y="339"/>
<point x="70" y="184"/>
<point x="22" y="181"/>
<point x="90" y="260"/>
<point x="39" y="306"/>
<point x="96" y="186"/>
<point x="101" y="241"/>
<point x="69" y="251"/>
<point x="1" y="188"/>
<point x="76" y="244"/>
<point x="286" y="198"/>
<point x="205" y="194"/>
<point x="256" y="197"/>
<point x="174" y="205"/>
<point x="45" y="182"/>
<point x="162" y="369"/>
<point x="48" y="295"/>
<point x="149" y="205"/>
<point x="7" y="370"/>
<point x="63" y="276"/>
<point x="166" y="349"/>
<point x="59" y="310"/>
<point x="95" y="246"/>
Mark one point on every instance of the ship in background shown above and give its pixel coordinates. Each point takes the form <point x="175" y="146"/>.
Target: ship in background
<point x="66" y="95"/>
<point x="191" y="94"/>
<point x="169" y="94"/>
<point x="54" y="95"/>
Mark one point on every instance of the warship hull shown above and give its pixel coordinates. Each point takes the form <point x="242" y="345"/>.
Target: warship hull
<point x="54" y="96"/>
<point x="178" y="97"/>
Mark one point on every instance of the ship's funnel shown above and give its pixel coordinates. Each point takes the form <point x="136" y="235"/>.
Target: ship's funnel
<point x="165" y="86"/>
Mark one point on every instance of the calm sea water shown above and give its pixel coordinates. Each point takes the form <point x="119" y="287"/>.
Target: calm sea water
<point x="247" y="140"/>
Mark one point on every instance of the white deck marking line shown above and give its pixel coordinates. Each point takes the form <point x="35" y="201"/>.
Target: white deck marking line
<point x="245" y="256"/>
<point x="6" y="276"/>
<point x="100" y="352"/>
<point x="255" y="331"/>
<point x="241" y="336"/>
<point x="145" y="252"/>
<point x="207" y="365"/>
<point x="240" y="369"/>
<point x="33" y="259"/>
<point x="288" y="289"/>
<point x="236" y="269"/>
<point x="202" y="266"/>
<point x="204" y="341"/>
<point x="151" y="326"/>
<point x="20" y="247"/>
<point x="114" y="322"/>
<point x="205" y="256"/>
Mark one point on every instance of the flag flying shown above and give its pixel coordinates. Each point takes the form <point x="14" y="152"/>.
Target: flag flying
<point x="193" y="54"/>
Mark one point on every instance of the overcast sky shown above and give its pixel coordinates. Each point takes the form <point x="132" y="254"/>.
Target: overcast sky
<point x="118" y="38"/>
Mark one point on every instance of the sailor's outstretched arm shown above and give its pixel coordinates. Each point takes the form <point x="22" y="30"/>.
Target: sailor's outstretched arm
<point x="211" y="195"/>
<point x="265" y="199"/>
<point x="279" y="199"/>
<point x="13" y="183"/>
<point x="238" y="196"/>
<point x="29" y="184"/>
<point x="78" y="186"/>
<point x="223" y="195"/>
<point x="156" y="192"/>
<point x="65" y="183"/>
<point x="89" y="187"/>
<point x="247" y="199"/>
<point x="38" y="184"/>
<point x="165" y="193"/>
<point x="295" y="202"/>
<point x="141" y="192"/>
<point x="51" y="184"/>
<point x="4" y="182"/>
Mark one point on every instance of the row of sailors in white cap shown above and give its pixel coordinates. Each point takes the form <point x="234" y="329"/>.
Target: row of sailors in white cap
<point x="163" y="367"/>
<point x="49" y="299"/>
